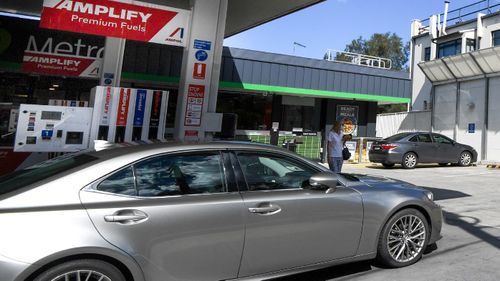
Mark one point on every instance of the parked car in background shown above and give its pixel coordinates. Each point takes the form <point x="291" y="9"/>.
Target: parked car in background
<point x="409" y="149"/>
<point x="215" y="211"/>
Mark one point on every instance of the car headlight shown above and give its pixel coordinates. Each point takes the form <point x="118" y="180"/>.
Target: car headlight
<point x="429" y="195"/>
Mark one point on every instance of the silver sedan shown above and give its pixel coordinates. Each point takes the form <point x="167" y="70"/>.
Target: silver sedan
<point x="216" y="211"/>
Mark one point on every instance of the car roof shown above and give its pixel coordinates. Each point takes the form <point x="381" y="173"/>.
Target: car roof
<point x="182" y="146"/>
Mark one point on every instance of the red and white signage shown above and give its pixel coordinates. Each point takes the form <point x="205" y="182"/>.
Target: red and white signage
<point x="199" y="71"/>
<point x="105" y="107"/>
<point x="191" y="133"/>
<point x="194" y="106"/>
<point x="61" y="58"/>
<point x="60" y="65"/>
<point x="121" y="117"/>
<point x="137" y="21"/>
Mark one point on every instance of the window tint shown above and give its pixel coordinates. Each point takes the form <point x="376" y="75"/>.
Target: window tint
<point x="268" y="172"/>
<point x="121" y="182"/>
<point x="397" y="137"/>
<point x="180" y="174"/>
<point x="441" y="139"/>
<point x="424" y="138"/>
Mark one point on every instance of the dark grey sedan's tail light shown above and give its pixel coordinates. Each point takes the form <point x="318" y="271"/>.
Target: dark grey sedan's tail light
<point x="388" y="146"/>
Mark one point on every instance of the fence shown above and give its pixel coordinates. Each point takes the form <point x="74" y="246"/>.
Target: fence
<point x="392" y="123"/>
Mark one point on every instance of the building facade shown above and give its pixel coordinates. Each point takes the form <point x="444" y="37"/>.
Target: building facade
<point x="456" y="74"/>
<point x="298" y="96"/>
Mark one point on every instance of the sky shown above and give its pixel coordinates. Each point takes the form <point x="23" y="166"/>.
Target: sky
<point x="335" y="23"/>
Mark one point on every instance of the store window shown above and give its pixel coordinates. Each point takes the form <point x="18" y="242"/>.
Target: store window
<point x="18" y="88"/>
<point x="496" y="38"/>
<point x="450" y="48"/>
<point x="299" y="114"/>
<point x="253" y="109"/>
<point x="298" y="117"/>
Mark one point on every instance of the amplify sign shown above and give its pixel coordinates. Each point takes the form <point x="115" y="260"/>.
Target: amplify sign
<point x="62" y="58"/>
<point x="138" y="21"/>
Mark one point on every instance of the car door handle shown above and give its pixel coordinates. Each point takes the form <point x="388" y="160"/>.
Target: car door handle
<point x="127" y="217"/>
<point x="269" y="209"/>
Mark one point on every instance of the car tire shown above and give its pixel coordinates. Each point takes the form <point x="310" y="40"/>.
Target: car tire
<point x="87" y="269"/>
<point x="403" y="239"/>
<point x="388" y="165"/>
<point x="410" y="160"/>
<point x="465" y="159"/>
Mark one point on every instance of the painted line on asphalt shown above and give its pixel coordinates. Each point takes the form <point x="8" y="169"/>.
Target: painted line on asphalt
<point x="472" y="174"/>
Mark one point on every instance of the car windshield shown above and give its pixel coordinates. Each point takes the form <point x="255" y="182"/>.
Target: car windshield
<point x="43" y="170"/>
<point x="397" y="137"/>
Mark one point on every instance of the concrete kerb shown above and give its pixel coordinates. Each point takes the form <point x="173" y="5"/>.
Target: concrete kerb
<point x="377" y="165"/>
<point x="355" y="165"/>
<point x="490" y="164"/>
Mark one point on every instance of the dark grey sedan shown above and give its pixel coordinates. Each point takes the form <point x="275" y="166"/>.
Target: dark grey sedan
<point x="409" y="149"/>
<point x="216" y="211"/>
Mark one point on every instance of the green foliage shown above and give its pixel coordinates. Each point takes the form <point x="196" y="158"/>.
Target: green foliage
<point x="392" y="108"/>
<point x="384" y="45"/>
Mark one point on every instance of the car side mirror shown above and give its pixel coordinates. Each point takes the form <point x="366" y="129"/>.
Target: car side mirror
<point x="324" y="181"/>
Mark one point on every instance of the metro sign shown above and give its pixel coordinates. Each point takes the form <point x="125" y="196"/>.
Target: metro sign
<point x="138" y="21"/>
<point x="62" y="58"/>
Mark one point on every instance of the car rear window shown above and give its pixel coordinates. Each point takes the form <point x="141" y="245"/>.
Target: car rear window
<point x="43" y="170"/>
<point x="397" y="137"/>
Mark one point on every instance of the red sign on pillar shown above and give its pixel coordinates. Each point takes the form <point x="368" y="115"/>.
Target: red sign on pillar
<point x="199" y="71"/>
<point x="122" y="115"/>
<point x="194" y="106"/>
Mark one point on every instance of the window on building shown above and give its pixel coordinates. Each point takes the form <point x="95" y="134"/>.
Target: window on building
<point x="496" y="38"/>
<point x="427" y="54"/>
<point x="253" y="110"/>
<point x="450" y="48"/>
<point x="470" y="45"/>
<point x="297" y="116"/>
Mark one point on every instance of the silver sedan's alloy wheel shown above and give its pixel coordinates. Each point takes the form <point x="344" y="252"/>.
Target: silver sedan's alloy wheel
<point x="82" y="275"/>
<point x="410" y="160"/>
<point x="82" y="270"/>
<point x="465" y="158"/>
<point x="406" y="238"/>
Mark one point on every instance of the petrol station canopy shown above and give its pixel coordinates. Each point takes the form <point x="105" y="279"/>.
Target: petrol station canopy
<point x="241" y="14"/>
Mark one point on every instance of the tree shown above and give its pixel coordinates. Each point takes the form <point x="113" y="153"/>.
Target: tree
<point x="384" y="45"/>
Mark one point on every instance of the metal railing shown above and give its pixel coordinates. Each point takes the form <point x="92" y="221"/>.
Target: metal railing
<point x="358" y="59"/>
<point x="467" y="12"/>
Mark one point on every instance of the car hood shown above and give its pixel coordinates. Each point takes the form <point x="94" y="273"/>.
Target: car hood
<point x="384" y="182"/>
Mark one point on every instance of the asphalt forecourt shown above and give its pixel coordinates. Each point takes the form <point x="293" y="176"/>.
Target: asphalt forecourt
<point x="470" y="247"/>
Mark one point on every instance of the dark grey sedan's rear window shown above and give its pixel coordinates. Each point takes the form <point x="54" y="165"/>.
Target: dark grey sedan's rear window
<point x="44" y="170"/>
<point x="397" y="137"/>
